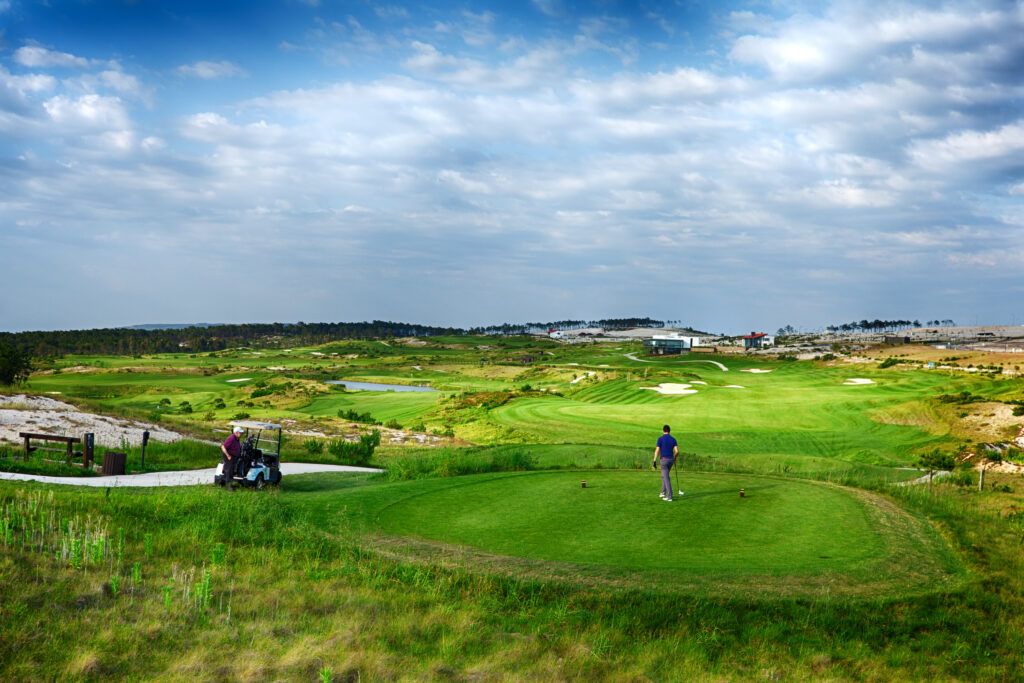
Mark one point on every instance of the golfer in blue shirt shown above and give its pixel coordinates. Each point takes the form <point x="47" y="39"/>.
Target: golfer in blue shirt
<point x="666" y="451"/>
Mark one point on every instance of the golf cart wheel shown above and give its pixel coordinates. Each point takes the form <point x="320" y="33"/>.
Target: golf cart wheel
<point x="260" y="482"/>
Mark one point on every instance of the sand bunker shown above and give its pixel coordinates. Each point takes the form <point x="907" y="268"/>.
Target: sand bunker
<point x="857" y="380"/>
<point x="697" y="381"/>
<point x="733" y="386"/>
<point x="756" y="371"/>
<point x="37" y="414"/>
<point x="240" y="379"/>
<point x="672" y="389"/>
<point x="582" y="377"/>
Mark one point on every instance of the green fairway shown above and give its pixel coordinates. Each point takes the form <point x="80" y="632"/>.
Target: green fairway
<point x="795" y="409"/>
<point x="787" y="536"/>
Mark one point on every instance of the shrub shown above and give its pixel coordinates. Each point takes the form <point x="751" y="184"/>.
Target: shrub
<point x="355" y="453"/>
<point x="392" y="424"/>
<point x="313" y="446"/>
<point x="240" y="416"/>
<point x="365" y="418"/>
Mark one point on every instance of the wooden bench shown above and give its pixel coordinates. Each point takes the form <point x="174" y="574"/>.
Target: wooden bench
<point x="69" y="441"/>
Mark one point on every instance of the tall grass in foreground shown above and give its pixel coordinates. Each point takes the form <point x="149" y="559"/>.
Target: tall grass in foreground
<point x="247" y="587"/>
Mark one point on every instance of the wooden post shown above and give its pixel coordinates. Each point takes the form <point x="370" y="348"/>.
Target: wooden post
<point x="27" y="448"/>
<point x="71" y="452"/>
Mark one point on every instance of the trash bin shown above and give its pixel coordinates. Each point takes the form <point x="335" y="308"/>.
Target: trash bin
<point x="113" y="463"/>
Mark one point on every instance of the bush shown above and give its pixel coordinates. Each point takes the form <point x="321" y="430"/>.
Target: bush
<point x="365" y="418"/>
<point x="355" y="453"/>
<point x="313" y="446"/>
<point x="240" y="416"/>
<point x="14" y="365"/>
<point x="392" y="424"/>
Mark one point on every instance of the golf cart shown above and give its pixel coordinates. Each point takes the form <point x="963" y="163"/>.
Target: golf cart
<point x="258" y="466"/>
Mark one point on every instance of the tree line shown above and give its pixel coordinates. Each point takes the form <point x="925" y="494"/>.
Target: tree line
<point x="885" y="325"/>
<point x="132" y="341"/>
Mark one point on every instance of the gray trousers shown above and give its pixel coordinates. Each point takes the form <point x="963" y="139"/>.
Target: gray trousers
<point x="666" y="478"/>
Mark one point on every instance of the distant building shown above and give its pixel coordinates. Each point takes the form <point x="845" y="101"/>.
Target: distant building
<point x="897" y="340"/>
<point x="758" y="340"/>
<point x="666" y="344"/>
<point x="555" y="334"/>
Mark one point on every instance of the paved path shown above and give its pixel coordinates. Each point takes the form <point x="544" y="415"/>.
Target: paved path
<point x="182" y="478"/>
<point x="923" y="480"/>
<point x="713" y="362"/>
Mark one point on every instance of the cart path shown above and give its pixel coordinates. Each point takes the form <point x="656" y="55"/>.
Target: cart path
<point x="713" y="362"/>
<point x="922" y="480"/>
<point x="181" y="478"/>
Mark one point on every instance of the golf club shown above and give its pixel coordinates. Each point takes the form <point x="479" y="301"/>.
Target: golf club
<point x="676" y="468"/>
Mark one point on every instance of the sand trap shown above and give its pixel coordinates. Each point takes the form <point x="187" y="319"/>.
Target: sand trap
<point x="38" y="414"/>
<point x="582" y="377"/>
<point x="733" y="386"/>
<point x="697" y="381"/>
<point x="672" y="389"/>
<point x="604" y="366"/>
<point x="857" y="380"/>
<point x="756" y="371"/>
<point x="277" y="367"/>
<point x="240" y="379"/>
<point x="417" y="367"/>
<point x="572" y="363"/>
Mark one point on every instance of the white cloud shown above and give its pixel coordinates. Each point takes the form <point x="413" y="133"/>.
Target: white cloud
<point x="1005" y="142"/>
<point x="87" y="112"/>
<point x="40" y="57"/>
<point x="208" y="70"/>
<point x="29" y="83"/>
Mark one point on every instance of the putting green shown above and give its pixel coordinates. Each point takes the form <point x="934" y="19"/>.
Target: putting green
<point x="790" y="536"/>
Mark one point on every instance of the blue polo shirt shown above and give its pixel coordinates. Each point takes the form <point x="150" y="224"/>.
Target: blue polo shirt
<point x="667" y="444"/>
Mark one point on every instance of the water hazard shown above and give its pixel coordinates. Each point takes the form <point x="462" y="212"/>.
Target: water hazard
<point x="375" y="386"/>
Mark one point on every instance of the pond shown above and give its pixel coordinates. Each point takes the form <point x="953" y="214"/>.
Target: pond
<point x="375" y="386"/>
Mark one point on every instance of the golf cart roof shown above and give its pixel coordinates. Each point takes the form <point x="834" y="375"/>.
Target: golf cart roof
<point x="252" y="424"/>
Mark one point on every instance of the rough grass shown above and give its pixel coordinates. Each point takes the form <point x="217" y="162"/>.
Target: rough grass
<point x="305" y="594"/>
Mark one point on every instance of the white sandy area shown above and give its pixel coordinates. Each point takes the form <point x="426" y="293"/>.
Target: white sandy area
<point x="240" y="379"/>
<point x="756" y="371"/>
<point x="572" y="363"/>
<point x="672" y="389"/>
<point x="40" y="415"/>
<point x="733" y="386"/>
<point x="582" y="377"/>
<point x="277" y="367"/>
<point x="315" y="353"/>
<point x="857" y="380"/>
<point x="697" y="381"/>
<point x="417" y="367"/>
<point x="604" y="365"/>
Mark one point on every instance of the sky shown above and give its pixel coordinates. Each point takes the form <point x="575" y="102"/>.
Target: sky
<point x="737" y="166"/>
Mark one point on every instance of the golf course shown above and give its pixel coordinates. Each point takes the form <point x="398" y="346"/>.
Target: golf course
<point x="514" y="528"/>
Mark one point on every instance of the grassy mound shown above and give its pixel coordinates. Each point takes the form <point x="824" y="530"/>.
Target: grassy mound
<point x="781" y="538"/>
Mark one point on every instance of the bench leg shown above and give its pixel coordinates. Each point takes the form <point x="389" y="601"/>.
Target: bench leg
<point x="28" y="449"/>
